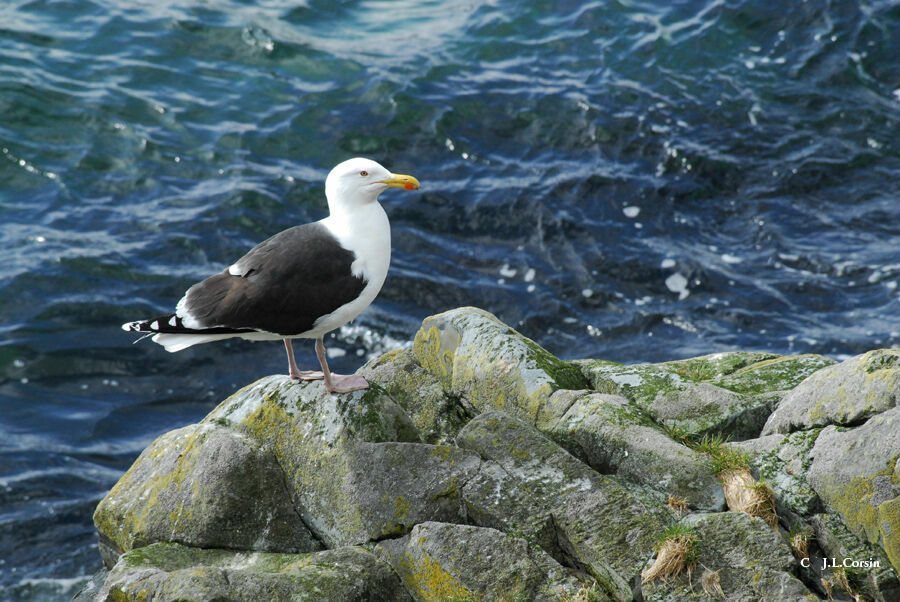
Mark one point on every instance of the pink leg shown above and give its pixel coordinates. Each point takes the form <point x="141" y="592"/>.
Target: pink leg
<point x="338" y="383"/>
<point x="294" y="371"/>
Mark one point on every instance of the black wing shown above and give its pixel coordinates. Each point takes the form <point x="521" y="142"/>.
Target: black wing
<point x="284" y="284"/>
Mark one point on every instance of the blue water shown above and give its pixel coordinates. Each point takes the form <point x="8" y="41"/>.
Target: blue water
<point x="636" y="181"/>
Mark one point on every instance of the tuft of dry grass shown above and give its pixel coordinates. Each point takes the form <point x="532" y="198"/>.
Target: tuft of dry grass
<point x="586" y="593"/>
<point x="800" y="544"/>
<point x="840" y="578"/>
<point x="675" y="552"/>
<point x="712" y="584"/>
<point x="677" y="504"/>
<point x="744" y="494"/>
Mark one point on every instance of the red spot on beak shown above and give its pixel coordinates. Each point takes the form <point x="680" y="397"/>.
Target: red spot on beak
<point x="410" y="187"/>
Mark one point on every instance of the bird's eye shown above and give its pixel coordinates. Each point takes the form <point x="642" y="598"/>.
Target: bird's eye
<point x="363" y="173"/>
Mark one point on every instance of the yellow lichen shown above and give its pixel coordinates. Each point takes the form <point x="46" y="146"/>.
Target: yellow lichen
<point x="431" y="582"/>
<point x="428" y="350"/>
<point x="401" y="509"/>
<point x="889" y="525"/>
<point x="853" y="502"/>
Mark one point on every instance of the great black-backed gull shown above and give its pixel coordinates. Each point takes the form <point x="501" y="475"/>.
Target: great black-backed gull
<point x="301" y="283"/>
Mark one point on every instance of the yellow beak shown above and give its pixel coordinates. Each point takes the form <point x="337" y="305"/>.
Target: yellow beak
<point x="401" y="181"/>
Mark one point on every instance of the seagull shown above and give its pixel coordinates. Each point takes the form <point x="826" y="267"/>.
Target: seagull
<point x="301" y="283"/>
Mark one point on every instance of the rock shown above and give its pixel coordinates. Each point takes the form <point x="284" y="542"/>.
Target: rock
<point x="842" y="394"/>
<point x="539" y="490"/>
<point x="640" y="383"/>
<point x="838" y="543"/>
<point x="644" y="381"/>
<point x="437" y="416"/>
<point x="783" y="461"/>
<point x="280" y="402"/>
<point x="616" y="437"/>
<point x="855" y="472"/>
<point x="205" y="486"/>
<point x="727" y="394"/>
<point x="168" y="571"/>
<point x="695" y="410"/>
<point x="718" y="365"/>
<point x="753" y="562"/>
<point x="774" y="374"/>
<point x="479" y="466"/>
<point x="439" y="561"/>
<point x="477" y="358"/>
<point x="91" y="590"/>
<point x="350" y="482"/>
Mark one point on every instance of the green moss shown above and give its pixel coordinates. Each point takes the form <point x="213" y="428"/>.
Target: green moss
<point x="882" y="361"/>
<point x="707" y="367"/>
<point x="565" y="375"/>
<point x="125" y="522"/>
<point x="776" y="374"/>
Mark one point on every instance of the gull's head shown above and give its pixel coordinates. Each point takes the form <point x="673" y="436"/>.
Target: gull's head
<point x="359" y="181"/>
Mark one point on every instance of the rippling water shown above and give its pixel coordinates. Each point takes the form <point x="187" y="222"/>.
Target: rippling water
<point x="636" y="181"/>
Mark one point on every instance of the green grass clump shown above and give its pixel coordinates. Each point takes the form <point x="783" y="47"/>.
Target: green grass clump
<point x="676" y="549"/>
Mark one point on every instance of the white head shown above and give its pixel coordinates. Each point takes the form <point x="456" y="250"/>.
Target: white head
<point x="359" y="181"/>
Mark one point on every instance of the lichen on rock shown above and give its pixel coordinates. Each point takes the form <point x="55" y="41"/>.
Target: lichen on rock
<point x="205" y="486"/>
<point x="437" y="415"/>
<point x="478" y="358"/>
<point x="841" y="394"/>
<point x="167" y="571"/>
<point x="439" y="562"/>
<point x="615" y="436"/>
<point x="480" y="466"/>
<point x="752" y="562"/>
<point x="729" y="394"/>
<point x="855" y="472"/>
<point x="539" y="487"/>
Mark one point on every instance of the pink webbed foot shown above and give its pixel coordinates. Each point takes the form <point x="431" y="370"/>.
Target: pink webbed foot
<point x="307" y="375"/>
<point x="341" y="383"/>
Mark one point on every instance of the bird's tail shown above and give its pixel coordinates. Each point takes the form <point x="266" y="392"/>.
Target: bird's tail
<point x="170" y="332"/>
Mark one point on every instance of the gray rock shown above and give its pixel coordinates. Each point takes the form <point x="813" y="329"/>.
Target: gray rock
<point x="535" y="488"/>
<point x="496" y="499"/>
<point x="91" y="590"/>
<point x="637" y="382"/>
<point x="437" y="415"/>
<point x="175" y="572"/>
<point x="477" y="358"/>
<point x="843" y="394"/>
<point x="838" y="543"/>
<point x="753" y="562"/>
<point x="718" y="365"/>
<point x="699" y="409"/>
<point x="205" y="486"/>
<point x="728" y="394"/>
<point x="306" y="409"/>
<point x="783" y="461"/>
<point x="855" y="472"/>
<point x="780" y="373"/>
<point x="439" y="561"/>
<point x="349" y="480"/>
<point x="615" y="437"/>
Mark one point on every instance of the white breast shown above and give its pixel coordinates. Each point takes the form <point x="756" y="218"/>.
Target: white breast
<point x="367" y="233"/>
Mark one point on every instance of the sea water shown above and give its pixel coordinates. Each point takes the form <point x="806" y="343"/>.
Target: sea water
<point x="631" y="180"/>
